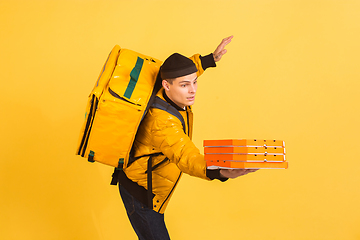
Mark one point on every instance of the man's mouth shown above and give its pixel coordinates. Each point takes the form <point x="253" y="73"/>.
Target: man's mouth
<point x="191" y="98"/>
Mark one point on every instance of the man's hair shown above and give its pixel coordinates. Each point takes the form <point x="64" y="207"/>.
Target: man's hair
<point x="170" y="80"/>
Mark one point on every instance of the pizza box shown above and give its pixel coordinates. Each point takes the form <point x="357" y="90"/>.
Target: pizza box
<point x="246" y="157"/>
<point x="244" y="150"/>
<point x="220" y="164"/>
<point x="244" y="142"/>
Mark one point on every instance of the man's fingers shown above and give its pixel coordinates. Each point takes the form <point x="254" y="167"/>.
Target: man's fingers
<point x="223" y="52"/>
<point x="237" y="172"/>
<point x="226" y="41"/>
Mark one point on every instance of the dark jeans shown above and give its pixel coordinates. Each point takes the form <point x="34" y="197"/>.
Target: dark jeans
<point x="148" y="224"/>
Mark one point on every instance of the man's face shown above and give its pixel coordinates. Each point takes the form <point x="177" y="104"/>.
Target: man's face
<point x="182" y="91"/>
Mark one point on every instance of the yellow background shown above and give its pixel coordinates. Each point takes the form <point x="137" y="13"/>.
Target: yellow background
<point x="291" y="73"/>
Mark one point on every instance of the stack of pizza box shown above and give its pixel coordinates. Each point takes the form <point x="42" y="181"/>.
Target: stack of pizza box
<point x="245" y="154"/>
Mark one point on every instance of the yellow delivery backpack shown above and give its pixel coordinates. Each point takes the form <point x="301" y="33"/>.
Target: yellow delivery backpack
<point x="125" y="89"/>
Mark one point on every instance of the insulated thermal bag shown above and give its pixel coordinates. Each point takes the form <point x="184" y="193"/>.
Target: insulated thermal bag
<point x="125" y="89"/>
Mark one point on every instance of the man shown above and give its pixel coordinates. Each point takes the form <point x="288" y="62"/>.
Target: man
<point x="164" y="142"/>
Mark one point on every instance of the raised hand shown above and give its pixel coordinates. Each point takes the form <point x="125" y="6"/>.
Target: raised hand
<point x="220" y="50"/>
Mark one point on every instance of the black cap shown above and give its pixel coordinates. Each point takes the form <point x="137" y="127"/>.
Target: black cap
<point x="177" y="65"/>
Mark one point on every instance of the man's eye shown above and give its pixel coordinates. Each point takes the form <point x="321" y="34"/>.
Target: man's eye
<point x="184" y="85"/>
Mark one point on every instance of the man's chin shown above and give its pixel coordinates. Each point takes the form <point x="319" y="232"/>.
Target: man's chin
<point x="189" y="103"/>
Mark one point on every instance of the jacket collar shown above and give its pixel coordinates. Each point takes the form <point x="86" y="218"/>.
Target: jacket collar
<point x="171" y="102"/>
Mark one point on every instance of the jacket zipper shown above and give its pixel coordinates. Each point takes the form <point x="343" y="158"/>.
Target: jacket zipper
<point x="170" y="191"/>
<point x="188" y="123"/>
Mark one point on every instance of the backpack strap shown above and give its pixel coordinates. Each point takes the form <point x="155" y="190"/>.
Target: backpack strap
<point x="149" y="184"/>
<point x="163" y="105"/>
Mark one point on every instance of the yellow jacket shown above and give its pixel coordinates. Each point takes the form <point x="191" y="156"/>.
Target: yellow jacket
<point x="161" y="132"/>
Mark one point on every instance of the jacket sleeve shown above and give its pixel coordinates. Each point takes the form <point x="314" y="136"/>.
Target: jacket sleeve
<point x="203" y="62"/>
<point x="170" y="138"/>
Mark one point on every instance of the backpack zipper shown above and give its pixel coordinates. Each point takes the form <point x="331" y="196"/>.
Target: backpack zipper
<point x="89" y="123"/>
<point x="114" y="94"/>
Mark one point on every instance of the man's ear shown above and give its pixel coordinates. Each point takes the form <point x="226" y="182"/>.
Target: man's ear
<point x="166" y="85"/>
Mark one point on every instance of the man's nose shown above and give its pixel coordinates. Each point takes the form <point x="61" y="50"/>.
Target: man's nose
<point x="192" y="88"/>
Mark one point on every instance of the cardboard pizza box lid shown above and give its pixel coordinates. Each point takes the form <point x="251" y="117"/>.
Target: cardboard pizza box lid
<point x="246" y="165"/>
<point x="246" y="157"/>
<point x="245" y="150"/>
<point x="244" y="142"/>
